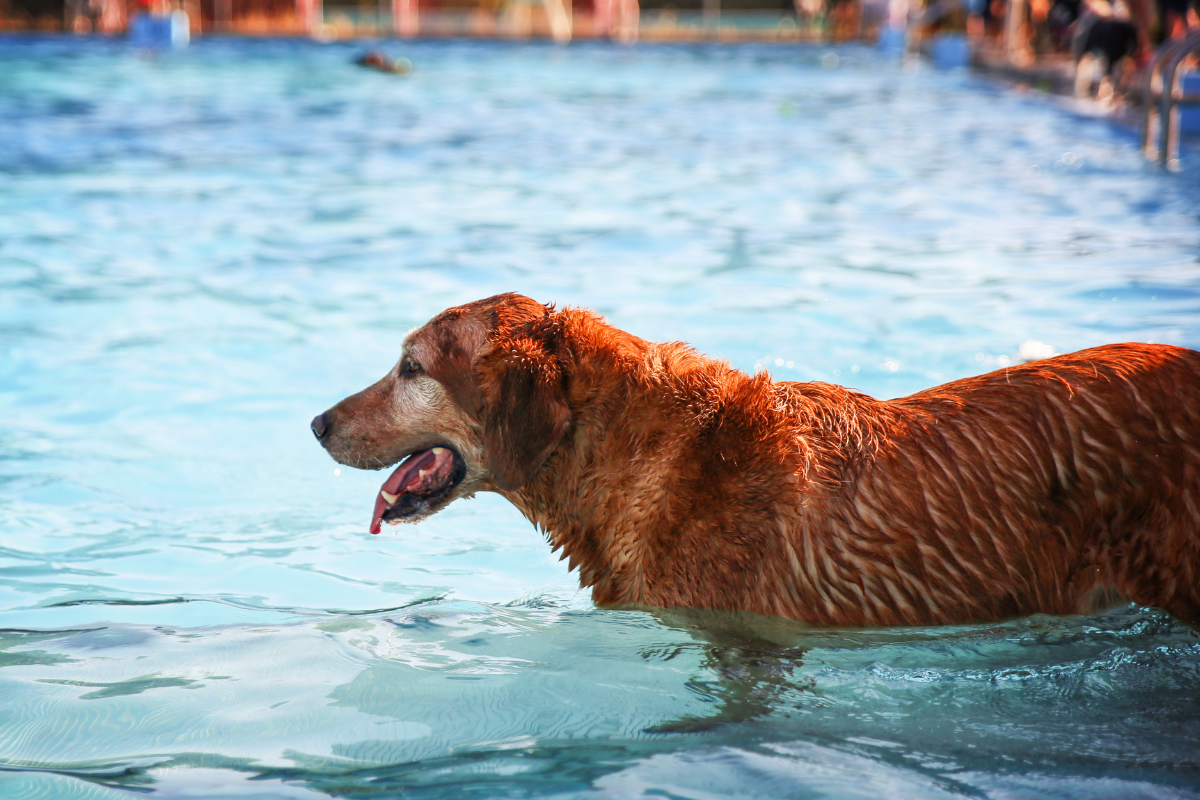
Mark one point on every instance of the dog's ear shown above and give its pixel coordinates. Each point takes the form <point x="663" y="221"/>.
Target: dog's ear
<point x="525" y="411"/>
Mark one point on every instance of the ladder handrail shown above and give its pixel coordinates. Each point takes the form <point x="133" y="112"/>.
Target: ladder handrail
<point x="1169" y="125"/>
<point x="1160" y="84"/>
<point x="1150" y="89"/>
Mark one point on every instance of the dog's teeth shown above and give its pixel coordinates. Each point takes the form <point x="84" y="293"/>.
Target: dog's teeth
<point x="438" y="450"/>
<point x="390" y="498"/>
<point x="421" y="473"/>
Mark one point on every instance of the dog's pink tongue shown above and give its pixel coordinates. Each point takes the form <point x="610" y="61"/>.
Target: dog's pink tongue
<point x="408" y="476"/>
<point x="392" y="486"/>
<point x="377" y="520"/>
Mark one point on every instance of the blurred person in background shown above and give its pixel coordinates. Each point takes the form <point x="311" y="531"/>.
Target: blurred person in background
<point x="1175" y="18"/>
<point x="1105" y="44"/>
<point x="1060" y="20"/>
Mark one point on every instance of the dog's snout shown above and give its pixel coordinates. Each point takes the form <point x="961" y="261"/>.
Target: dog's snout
<point x="320" y="426"/>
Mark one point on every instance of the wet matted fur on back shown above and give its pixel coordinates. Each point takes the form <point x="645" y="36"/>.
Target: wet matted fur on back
<point x="671" y="479"/>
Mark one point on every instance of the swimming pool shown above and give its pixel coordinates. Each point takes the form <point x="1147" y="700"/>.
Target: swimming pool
<point x="200" y="251"/>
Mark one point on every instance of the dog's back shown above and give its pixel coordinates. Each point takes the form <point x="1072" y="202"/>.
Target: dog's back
<point x="1049" y="487"/>
<point x="1059" y="487"/>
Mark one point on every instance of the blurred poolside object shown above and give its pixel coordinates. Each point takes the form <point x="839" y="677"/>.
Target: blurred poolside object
<point x="951" y="50"/>
<point x="160" y="31"/>
<point x="893" y="39"/>
<point x="1170" y="89"/>
<point x="937" y="30"/>
<point x="1189" y="115"/>
<point x="560" y="20"/>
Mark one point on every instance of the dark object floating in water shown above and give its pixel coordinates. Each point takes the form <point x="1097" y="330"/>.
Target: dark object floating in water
<point x="377" y="60"/>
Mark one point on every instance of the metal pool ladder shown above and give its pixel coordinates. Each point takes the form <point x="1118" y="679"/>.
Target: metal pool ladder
<point x="1162" y="95"/>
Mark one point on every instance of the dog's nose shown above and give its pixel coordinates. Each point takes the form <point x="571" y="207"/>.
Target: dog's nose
<point x="320" y="426"/>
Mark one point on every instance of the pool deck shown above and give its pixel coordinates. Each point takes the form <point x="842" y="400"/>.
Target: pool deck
<point x="1054" y="74"/>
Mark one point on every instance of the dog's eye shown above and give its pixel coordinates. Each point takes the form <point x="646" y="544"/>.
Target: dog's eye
<point x="409" y="367"/>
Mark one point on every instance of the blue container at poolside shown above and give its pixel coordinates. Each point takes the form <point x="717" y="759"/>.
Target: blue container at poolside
<point x="1189" y="116"/>
<point x="893" y="39"/>
<point x="157" y="33"/>
<point x="951" y="51"/>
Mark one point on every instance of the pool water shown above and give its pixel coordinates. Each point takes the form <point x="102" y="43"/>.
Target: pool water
<point x="199" y="251"/>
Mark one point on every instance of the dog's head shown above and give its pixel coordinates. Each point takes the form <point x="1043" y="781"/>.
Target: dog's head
<point x="476" y="402"/>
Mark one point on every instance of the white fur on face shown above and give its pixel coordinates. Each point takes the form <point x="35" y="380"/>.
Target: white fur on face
<point x="422" y="407"/>
<point x="420" y="401"/>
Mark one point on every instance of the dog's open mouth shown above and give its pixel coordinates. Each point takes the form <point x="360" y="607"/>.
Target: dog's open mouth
<point x="421" y="480"/>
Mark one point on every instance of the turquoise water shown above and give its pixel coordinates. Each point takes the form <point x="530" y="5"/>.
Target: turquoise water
<point x="199" y="252"/>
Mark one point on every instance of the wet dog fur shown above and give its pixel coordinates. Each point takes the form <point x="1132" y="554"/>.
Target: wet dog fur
<point x="670" y="479"/>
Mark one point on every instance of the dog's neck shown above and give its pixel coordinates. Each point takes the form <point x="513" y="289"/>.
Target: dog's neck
<point x="594" y="498"/>
<point x="653" y="428"/>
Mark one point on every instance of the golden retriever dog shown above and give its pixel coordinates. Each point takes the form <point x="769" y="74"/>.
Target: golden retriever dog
<point x="672" y="479"/>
